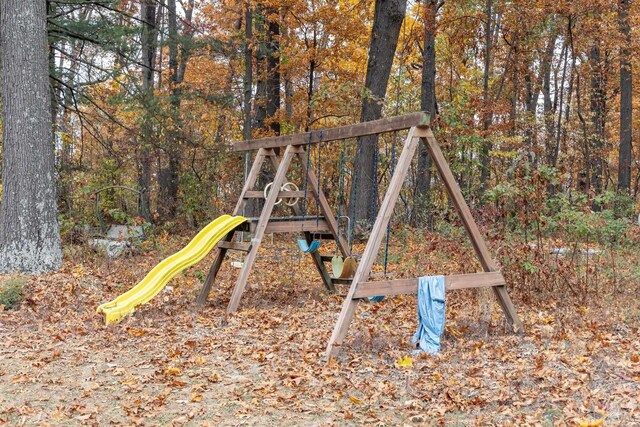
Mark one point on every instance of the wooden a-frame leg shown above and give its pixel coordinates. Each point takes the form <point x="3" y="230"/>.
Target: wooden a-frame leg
<point x="250" y="182"/>
<point x="373" y="245"/>
<point x="479" y="245"/>
<point x="269" y="203"/>
<point x="213" y="271"/>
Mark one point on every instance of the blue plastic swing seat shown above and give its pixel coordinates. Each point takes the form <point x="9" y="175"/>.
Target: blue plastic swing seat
<point x="308" y="248"/>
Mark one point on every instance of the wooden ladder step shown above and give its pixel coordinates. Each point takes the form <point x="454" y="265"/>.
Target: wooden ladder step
<point x="235" y="246"/>
<point x="340" y="281"/>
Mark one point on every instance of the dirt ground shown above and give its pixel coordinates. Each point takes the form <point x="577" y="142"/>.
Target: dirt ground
<point x="169" y="364"/>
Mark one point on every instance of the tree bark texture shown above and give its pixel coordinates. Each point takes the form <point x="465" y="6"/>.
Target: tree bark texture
<point x="273" y="74"/>
<point x="388" y="17"/>
<point x="29" y="235"/>
<point x="422" y="213"/>
<point x="178" y="56"/>
<point x="149" y="34"/>
<point x="626" y="98"/>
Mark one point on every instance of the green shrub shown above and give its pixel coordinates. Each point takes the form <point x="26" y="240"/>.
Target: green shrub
<point x="11" y="292"/>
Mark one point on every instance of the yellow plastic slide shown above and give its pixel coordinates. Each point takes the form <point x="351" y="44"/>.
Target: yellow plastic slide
<point x="158" y="277"/>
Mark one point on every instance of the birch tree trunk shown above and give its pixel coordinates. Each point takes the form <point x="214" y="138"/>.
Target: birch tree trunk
<point x="29" y="236"/>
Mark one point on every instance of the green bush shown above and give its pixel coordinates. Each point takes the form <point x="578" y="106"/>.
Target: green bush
<point x="11" y="292"/>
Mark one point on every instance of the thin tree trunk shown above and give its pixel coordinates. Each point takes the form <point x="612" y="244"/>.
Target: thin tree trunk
<point x="626" y="99"/>
<point x="388" y="17"/>
<point x="548" y="104"/>
<point x="29" y="236"/>
<point x="485" y="161"/>
<point x="597" y="119"/>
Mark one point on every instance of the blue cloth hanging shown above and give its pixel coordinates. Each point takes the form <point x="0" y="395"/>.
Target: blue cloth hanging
<point x="431" y="313"/>
<point x="308" y="248"/>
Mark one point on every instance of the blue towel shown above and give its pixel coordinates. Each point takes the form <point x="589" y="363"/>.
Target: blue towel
<point x="431" y="313"/>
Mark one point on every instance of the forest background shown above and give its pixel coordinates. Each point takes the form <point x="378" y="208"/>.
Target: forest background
<point x="532" y="102"/>
<point x="530" y="99"/>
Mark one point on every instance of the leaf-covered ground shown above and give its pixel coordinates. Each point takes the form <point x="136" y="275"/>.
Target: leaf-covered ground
<point x="575" y="364"/>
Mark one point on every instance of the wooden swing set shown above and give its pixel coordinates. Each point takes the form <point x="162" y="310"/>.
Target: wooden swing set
<point x="326" y="226"/>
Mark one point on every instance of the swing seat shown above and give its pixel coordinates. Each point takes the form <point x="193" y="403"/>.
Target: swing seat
<point x="343" y="269"/>
<point x="308" y="248"/>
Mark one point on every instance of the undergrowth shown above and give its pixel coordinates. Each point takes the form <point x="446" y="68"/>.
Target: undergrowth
<point x="11" y="292"/>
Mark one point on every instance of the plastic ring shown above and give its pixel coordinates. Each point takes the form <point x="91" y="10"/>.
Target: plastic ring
<point x="290" y="186"/>
<point x="266" y="193"/>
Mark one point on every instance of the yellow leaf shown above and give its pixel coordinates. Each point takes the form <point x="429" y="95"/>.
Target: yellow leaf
<point x="355" y="400"/>
<point x="77" y="271"/>
<point x="200" y="360"/>
<point x="590" y="423"/>
<point x="173" y="371"/>
<point x="548" y="319"/>
<point x="404" y="362"/>
<point x="195" y="397"/>
<point x="453" y="331"/>
<point x="136" y="332"/>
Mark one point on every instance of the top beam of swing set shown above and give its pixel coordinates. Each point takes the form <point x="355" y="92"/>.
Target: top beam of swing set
<point x="333" y="134"/>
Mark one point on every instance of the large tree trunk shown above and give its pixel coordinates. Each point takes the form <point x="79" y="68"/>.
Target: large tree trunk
<point x="422" y="211"/>
<point x="178" y="56"/>
<point x="388" y="17"/>
<point x="149" y="33"/>
<point x="260" y="100"/>
<point x="273" y="73"/>
<point x="29" y="236"/>
<point x="626" y="91"/>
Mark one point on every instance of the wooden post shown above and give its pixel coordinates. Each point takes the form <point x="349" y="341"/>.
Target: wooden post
<point x="487" y="261"/>
<point x="373" y="245"/>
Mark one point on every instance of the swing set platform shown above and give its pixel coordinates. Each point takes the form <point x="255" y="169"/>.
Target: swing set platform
<point x="362" y="285"/>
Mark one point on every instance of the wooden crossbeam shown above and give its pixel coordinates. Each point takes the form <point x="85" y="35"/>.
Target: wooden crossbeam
<point x="345" y="132"/>
<point x="410" y="286"/>
<point x="253" y="194"/>
<point x="310" y="225"/>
